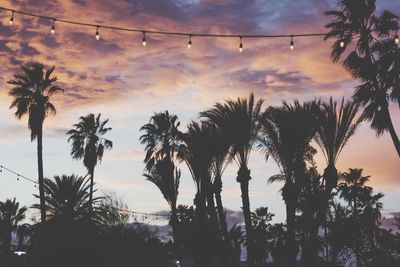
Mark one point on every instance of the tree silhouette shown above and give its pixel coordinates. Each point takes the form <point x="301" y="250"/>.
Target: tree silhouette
<point x="238" y="122"/>
<point x="161" y="138"/>
<point x="67" y="197"/>
<point x="356" y="21"/>
<point x="32" y="91"/>
<point x="337" y="123"/>
<point x="10" y="215"/>
<point x="88" y="143"/>
<point x="286" y="135"/>
<point x="166" y="177"/>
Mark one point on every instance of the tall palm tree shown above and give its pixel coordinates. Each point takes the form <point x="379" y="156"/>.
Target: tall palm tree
<point x="286" y="135"/>
<point x="166" y="177"/>
<point x="238" y="121"/>
<point x="196" y="153"/>
<point x="10" y="215"/>
<point x="31" y="92"/>
<point x="161" y="137"/>
<point x="357" y="21"/>
<point x="88" y="143"/>
<point x="337" y="123"/>
<point x="67" y="197"/>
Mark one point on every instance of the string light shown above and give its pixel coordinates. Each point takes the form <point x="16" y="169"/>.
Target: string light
<point x="66" y="200"/>
<point x="341" y="44"/>
<point x="18" y="177"/>
<point x="53" y="27"/>
<point x="189" y="42"/>
<point x="160" y="32"/>
<point x="291" y="45"/>
<point x="396" y="39"/>
<point x="12" y="18"/>
<point x="241" y="45"/>
<point x="97" y="33"/>
<point x="144" y="39"/>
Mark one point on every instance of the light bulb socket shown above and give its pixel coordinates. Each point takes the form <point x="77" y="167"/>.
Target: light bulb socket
<point x="53" y="27"/>
<point x="241" y="44"/>
<point x="189" y="42"/>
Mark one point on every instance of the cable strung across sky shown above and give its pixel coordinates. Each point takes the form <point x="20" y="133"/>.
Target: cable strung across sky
<point x="97" y="27"/>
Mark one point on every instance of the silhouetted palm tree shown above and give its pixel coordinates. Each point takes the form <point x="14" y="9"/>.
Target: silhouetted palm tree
<point x="10" y="215"/>
<point x="67" y="197"/>
<point x="196" y="152"/>
<point x="161" y="137"/>
<point x="286" y="135"/>
<point x="351" y="186"/>
<point x="238" y="122"/>
<point x="356" y="21"/>
<point x="337" y="123"/>
<point x="31" y="93"/>
<point x="88" y="143"/>
<point x="166" y="177"/>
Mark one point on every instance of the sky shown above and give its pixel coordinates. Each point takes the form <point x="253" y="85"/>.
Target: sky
<point x="126" y="82"/>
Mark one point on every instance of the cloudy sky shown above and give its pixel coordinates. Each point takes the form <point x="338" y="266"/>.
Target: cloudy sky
<point x="127" y="83"/>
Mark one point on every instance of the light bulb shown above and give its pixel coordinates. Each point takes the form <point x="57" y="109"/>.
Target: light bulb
<point x="189" y="42"/>
<point x="12" y="18"/>
<point x="53" y="27"/>
<point x="291" y="43"/>
<point x="396" y="39"/>
<point x="97" y="33"/>
<point x="66" y="200"/>
<point x="341" y="44"/>
<point x="241" y="45"/>
<point x="18" y="177"/>
<point x="144" y="39"/>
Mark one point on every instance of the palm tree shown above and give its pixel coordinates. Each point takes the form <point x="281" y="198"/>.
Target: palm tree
<point x="337" y="123"/>
<point x="196" y="152"/>
<point x="286" y="135"/>
<point x="161" y="137"/>
<point x="166" y="177"/>
<point x="67" y="197"/>
<point x="88" y="143"/>
<point x="10" y="215"/>
<point x="356" y="21"/>
<point x="32" y="91"/>
<point x="351" y="186"/>
<point x="238" y="122"/>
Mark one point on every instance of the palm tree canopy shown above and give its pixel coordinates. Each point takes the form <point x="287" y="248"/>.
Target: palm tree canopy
<point x="88" y="141"/>
<point x="286" y="134"/>
<point x="161" y="137"/>
<point x="10" y="214"/>
<point x="31" y="92"/>
<point x="67" y="197"/>
<point x="238" y="122"/>
<point x="197" y="152"/>
<point x="336" y="126"/>
<point x="374" y="38"/>
<point x="166" y="177"/>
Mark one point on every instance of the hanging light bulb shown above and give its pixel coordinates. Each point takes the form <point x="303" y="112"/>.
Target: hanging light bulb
<point x="144" y="39"/>
<point x="12" y="18"/>
<point x="97" y="33"/>
<point x="241" y="45"/>
<point x="53" y="27"/>
<point x="66" y="200"/>
<point x="18" y="177"/>
<point x="189" y="42"/>
<point x="341" y="44"/>
<point x="396" y="39"/>
<point x="35" y="186"/>
<point x="1" y="168"/>
<point x="291" y="43"/>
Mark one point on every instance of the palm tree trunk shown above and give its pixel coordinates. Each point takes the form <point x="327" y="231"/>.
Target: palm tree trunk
<point x="291" y="251"/>
<point x="393" y="133"/>
<point x="91" y="190"/>
<point x="40" y="173"/>
<point x="176" y="234"/>
<point x="243" y="178"/>
<point x="200" y="256"/>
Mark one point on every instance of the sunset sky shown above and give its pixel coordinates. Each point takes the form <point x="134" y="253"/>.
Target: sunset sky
<point x="127" y="83"/>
